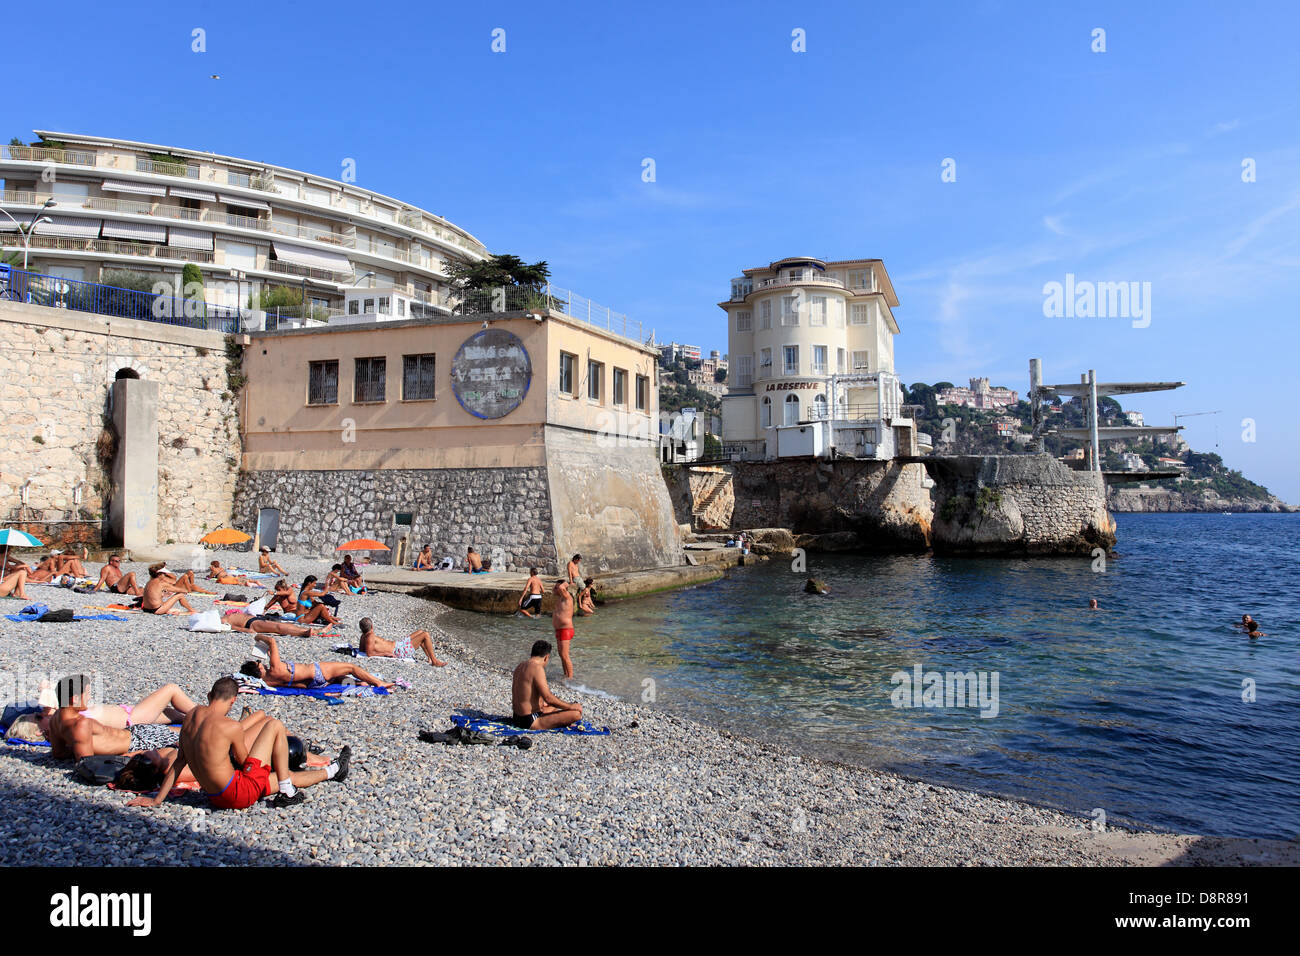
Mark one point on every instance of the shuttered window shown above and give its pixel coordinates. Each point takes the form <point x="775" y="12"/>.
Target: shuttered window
<point x="370" y="380"/>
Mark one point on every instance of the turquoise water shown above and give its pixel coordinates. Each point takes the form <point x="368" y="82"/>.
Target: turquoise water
<point x="1137" y="708"/>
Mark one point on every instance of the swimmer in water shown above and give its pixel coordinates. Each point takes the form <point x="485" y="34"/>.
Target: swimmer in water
<point x="1092" y="605"/>
<point x="1253" y="631"/>
<point x="1246" y="621"/>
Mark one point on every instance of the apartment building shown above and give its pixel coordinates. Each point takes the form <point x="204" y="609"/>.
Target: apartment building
<point x="103" y="204"/>
<point x="811" y="350"/>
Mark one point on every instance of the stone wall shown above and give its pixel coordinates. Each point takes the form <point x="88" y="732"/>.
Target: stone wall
<point x="886" y="504"/>
<point x="1018" y="504"/>
<point x="503" y="513"/>
<point x="609" y="503"/>
<point x="702" y="496"/>
<point x="58" y="367"/>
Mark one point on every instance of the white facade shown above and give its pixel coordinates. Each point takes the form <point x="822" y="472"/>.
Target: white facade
<point x="811" y="341"/>
<point x="121" y="205"/>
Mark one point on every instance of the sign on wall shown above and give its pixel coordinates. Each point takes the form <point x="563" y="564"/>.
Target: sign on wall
<point x="491" y="373"/>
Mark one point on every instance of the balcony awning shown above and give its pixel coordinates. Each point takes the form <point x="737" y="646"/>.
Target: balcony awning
<point x="189" y="238"/>
<point x="141" y="231"/>
<point x="241" y="201"/>
<point x="70" y="227"/>
<point x="142" y="189"/>
<point x="183" y="193"/>
<point x="312" y="258"/>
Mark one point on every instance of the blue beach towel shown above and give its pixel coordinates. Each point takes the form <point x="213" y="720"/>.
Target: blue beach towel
<point x="28" y="618"/>
<point x="330" y="693"/>
<point x="498" y="728"/>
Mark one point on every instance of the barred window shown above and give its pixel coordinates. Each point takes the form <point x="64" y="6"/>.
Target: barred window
<point x="370" y="380"/>
<point x="417" y="377"/>
<point x="323" y="383"/>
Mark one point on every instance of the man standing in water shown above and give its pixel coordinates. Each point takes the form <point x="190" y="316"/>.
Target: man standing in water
<point x="531" y="600"/>
<point x="532" y="705"/>
<point x="562" y="619"/>
<point x="573" y="574"/>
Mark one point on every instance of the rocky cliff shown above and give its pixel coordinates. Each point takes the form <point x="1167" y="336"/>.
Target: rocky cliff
<point x="1160" y="500"/>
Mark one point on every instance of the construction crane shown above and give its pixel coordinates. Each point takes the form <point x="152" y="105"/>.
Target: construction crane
<point x="1194" y="414"/>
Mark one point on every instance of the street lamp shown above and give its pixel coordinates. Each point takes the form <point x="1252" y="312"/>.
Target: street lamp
<point x="26" y="234"/>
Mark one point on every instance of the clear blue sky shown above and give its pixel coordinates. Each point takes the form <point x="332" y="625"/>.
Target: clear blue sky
<point x="1117" y="166"/>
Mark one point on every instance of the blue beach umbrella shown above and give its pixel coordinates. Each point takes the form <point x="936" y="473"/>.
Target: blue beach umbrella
<point x="13" y="538"/>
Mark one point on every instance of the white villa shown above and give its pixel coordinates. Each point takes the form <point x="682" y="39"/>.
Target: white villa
<point x="811" y="345"/>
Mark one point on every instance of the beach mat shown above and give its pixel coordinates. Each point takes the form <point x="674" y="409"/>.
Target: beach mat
<point x="28" y="618"/>
<point x="498" y="727"/>
<point x="331" y="693"/>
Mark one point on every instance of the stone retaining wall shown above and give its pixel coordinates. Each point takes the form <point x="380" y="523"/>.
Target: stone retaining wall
<point x="503" y="513"/>
<point x="58" y="367"/>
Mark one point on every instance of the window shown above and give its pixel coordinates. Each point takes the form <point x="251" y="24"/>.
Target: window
<point x="767" y="412"/>
<point x="595" y="380"/>
<point x="383" y="305"/>
<point x="837" y="309"/>
<point x="765" y="363"/>
<point x="323" y="383"/>
<point x="860" y="363"/>
<point x="568" y="368"/>
<point x="370" y="380"/>
<point x="401" y="307"/>
<point x="817" y="310"/>
<point x="840" y="356"/>
<point x="417" y="377"/>
<point x="789" y="310"/>
<point x="643" y="392"/>
<point x="620" y="386"/>
<point x="354" y="307"/>
<point x="744" y="321"/>
<point x="791" y="355"/>
<point x="860" y="279"/>
<point x="370" y="306"/>
<point x="765" y="314"/>
<point x="744" y="371"/>
<point x="796" y="275"/>
<point x="792" y="409"/>
<point x="820" y="414"/>
<point x="859" y="316"/>
<point x="819" y="360"/>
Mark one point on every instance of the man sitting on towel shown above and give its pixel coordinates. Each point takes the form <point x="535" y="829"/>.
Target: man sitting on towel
<point x="161" y="593"/>
<point x="292" y="674"/>
<point x="372" y="645"/>
<point x="533" y="706"/>
<point x="112" y="578"/>
<point x="234" y="775"/>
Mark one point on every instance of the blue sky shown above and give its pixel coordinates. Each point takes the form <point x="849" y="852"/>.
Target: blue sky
<point x="1117" y="166"/>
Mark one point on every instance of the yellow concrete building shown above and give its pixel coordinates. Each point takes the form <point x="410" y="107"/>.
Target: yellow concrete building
<point x="529" y="434"/>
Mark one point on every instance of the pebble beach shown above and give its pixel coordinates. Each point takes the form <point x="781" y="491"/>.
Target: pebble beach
<point x="658" y="790"/>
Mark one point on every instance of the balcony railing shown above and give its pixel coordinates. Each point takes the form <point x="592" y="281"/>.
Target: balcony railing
<point x="109" y="247"/>
<point x="160" y="168"/>
<point x="865" y="412"/>
<point x="813" y="279"/>
<point x="293" y="269"/>
<point x="40" y="154"/>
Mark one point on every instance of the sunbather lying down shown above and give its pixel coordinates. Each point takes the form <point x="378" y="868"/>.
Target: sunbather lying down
<point x="256" y="624"/>
<point x="281" y="673"/>
<point x="77" y="728"/>
<point x="222" y="576"/>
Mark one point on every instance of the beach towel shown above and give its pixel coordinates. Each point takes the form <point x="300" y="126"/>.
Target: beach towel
<point x="358" y="652"/>
<point x="28" y="618"/>
<point x="208" y="622"/>
<point x="499" y="727"/>
<point x="330" y="693"/>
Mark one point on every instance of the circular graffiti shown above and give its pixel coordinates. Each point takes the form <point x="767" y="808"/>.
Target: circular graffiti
<point x="491" y="373"/>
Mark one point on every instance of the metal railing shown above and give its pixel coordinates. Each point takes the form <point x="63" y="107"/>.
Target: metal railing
<point x="39" y="154"/>
<point x="293" y="269"/>
<point x="865" y="412"/>
<point x="34" y="288"/>
<point x="113" y="247"/>
<point x="817" y="279"/>
<point x="160" y="168"/>
<point x="566" y="301"/>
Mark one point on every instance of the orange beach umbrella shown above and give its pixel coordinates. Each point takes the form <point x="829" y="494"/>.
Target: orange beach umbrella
<point x="362" y="544"/>
<point x="225" y="536"/>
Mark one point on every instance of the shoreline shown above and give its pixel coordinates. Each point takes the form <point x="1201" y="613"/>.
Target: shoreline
<point x="669" y="791"/>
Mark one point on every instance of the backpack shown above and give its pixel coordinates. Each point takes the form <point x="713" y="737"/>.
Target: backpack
<point x="62" y="616"/>
<point x="100" y="770"/>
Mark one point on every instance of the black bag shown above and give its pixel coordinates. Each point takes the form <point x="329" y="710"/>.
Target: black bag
<point x="235" y="599"/>
<point x="101" y="769"/>
<point x="62" y="616"/>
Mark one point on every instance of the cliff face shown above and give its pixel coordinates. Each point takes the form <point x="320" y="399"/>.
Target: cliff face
<point x="1018" y="504"/>
<point x="1157" y="500"/>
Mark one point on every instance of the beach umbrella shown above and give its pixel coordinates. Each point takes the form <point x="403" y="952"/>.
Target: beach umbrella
<point x="362" y="544"/>
<point x="225" y="536"/>
<point x="13" y="538"/>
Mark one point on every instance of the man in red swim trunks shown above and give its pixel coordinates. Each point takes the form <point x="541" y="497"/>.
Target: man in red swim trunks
<point x="233" y="775"/>
<point x="562" y="619"/>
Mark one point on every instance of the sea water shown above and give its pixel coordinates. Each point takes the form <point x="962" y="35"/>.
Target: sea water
<point x="1154" y="709"/>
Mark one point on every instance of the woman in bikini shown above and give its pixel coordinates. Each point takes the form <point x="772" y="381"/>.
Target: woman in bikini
<point x="314" y="675"/>
<point x="222" y="576"/>
<point x="310" y="607"/>
<point x="167" y="705"/>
